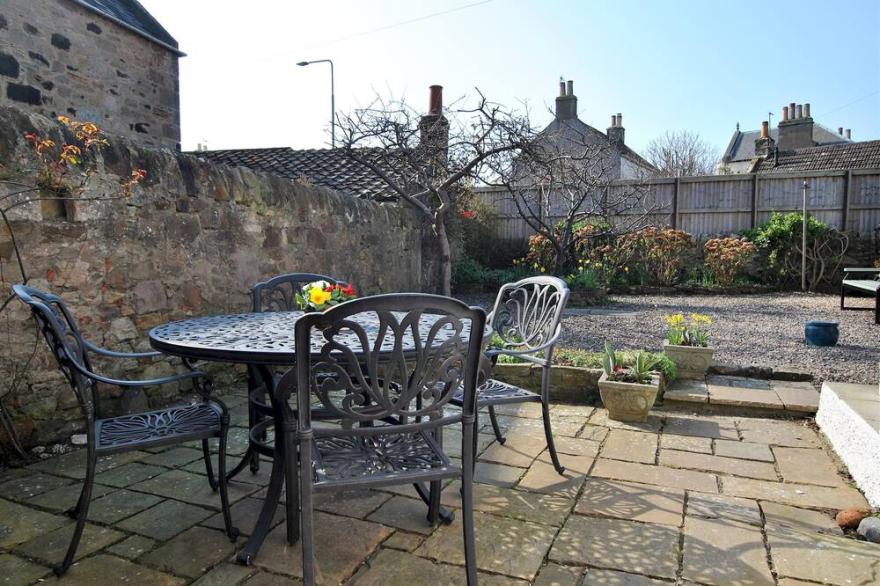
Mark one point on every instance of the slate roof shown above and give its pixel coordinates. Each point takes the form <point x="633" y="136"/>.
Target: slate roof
<point x="848" y="155"/>
<point x="133" y="16"/>
<point x="580" y="131"/>
<point x="330" y="168"/>
<point x="742" y="144"/>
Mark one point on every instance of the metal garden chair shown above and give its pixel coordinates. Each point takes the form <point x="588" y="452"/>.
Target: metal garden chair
<point x="275" y="294"/>
<point x="199" y="420"/>
<point x="388" y="388"/>
<point x="526" y="317"/>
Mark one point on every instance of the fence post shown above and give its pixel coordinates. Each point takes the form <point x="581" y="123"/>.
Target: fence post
<point x="754" y="219"/>
<point x="847" y="186"/>
<point x="675" y="202"/>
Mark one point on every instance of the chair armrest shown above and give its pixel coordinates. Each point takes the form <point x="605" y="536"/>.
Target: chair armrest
<point x="860" y="270"/>
<point x="493" y="352"/>
<point x="111" y="354"/>
<point x="140" y="383"/>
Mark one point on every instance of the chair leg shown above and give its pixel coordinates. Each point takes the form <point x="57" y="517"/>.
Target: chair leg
<point x="291" y="467"/>
<point x="209" y="469"/>
<point x="253" y="416"/>
<point x="545" y="413"/>
<point x="467" y="507"/>
<point x="231" y="531"/>
<point x="495" y="427"/>
<point x="877" y="308"/>
<point x="308" y="547"/>
<point x="81" y="509"/>
<point x="434" y="501"/>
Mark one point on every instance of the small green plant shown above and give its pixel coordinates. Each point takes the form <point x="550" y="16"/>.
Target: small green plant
<point x="583" y="279"/>
<point x="639" y="371"/>
<point x="688" y="331"/>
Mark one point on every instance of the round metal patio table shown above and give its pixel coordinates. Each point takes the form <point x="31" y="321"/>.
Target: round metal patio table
<point x="262" y="341"/>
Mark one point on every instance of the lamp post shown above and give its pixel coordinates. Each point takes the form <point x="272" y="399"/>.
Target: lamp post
<point x="332" y="98"/>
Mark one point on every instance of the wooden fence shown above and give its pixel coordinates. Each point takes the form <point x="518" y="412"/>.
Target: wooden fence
<point x="726" y="204"/>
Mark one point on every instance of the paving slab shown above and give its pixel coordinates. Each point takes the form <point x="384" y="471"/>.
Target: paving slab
<point x="576" y="446"/>
<point x="52" y="547"/>
<point x="543" y="477"/>
<point x="717" y="506"/>
<point x="618" y="545"/>
<point x="778" y="432"/>
<point x="341" y="545"/>
<point x="268" y="579"/>
<point x="798" y="399"/>
<point x="497" y="474"/>
<point x="65" y="498"/>
<point x="614" y="578"/>
<point x="807" y="466"/>
<point x="743" y="397"/>
<point x="633" y="446"/>
<point x="556" y="575"/>
<point x="600" y="418"/>
<point x="403" y="541"/>
<point x="403" y="513"/>
<point x="635" y="502"/>
<point x="656" y="475"/>
<point x="798" y="518"/>
<point x="192" y="553"/>
<point x="720" y="551"/>
<point x="593" y="432"/>
<point x="132" y="547"/>
<point x="165" y="520"/>
<point x="28" y="486"/>
<point x="687" y="391"/>
<point x="95" y="570"/>
<point x="518" y="450"/>
<point x="175" y="457"/>
<point x="702" y="445"/>
<point x="15" y="570"/>
<point x="743" y="450"/>
<point x="701" y="426"/>
<point x="569" y="426"/>
<point x="547" y="509"/>
<point x="805" y="495"/>
<point x="225" y="574"/>
<point x="19" y="524"/>
<point x="351" y="503"/>
<point x="73" y="464"/>
<point x="191" y="488"/>
<point x="128" y="474"/>
<point x="120" y="504"/>
<point x="244" y="515"/>
<point x="396" y="568"/>
<point x="676" y="459"/>
<point x="505" y="546"/>
<point x="823" y="558"/>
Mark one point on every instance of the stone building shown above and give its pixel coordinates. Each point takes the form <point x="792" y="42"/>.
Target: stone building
<point x="798" y="143"/>
<point x="104" y="61"/>
<point x="625" y="163"/>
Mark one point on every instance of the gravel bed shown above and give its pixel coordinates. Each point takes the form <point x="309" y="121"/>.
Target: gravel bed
<point x="763" y="330"/>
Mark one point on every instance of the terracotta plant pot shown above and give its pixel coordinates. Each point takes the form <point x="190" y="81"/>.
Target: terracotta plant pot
<point x="690" y="361"/>
<point x="628" y="401"/>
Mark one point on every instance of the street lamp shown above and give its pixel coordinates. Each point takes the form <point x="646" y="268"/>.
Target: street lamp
<point x="332" y="98"/>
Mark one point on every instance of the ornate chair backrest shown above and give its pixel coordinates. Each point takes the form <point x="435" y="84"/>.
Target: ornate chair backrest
<point x="389" y="359"/>
<point x="62" y="334"/>
<point x="279" y="292"/>
<point x="527" y="314"/>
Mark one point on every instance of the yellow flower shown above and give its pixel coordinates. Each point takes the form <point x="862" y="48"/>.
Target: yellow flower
<point x="674" y="320"/>
<point x="318" y="296"/>
<point x="699" y="318"/>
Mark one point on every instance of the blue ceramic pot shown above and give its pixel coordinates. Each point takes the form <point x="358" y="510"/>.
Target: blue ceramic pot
<point x="821" y="333"/>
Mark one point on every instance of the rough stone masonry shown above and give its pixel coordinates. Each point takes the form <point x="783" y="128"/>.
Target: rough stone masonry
<point x="191" y="241"/>
<point x="57" y="57"/>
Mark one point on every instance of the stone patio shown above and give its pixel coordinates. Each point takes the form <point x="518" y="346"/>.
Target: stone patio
<point x="683" y="498"/>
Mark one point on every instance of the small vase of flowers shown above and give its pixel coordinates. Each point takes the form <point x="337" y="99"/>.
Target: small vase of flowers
<point x="321" y="295"/>
<point x="687" y="344"/>
<point x="628" y="392"/>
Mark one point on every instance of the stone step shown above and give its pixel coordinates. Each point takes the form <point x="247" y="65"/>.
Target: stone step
<point x="742" y="395"/>
<point x="849" y="415"/>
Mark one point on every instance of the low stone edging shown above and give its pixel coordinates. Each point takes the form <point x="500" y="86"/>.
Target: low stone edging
<point x="568" y="384"/>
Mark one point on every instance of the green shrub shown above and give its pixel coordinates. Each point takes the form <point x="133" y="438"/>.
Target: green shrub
<point x="588" y="359"/>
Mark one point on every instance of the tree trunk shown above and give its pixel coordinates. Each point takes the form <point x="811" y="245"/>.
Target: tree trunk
<point x="445" y="257"/>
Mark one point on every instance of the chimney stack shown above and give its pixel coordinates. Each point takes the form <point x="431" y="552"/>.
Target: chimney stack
<point x="616" y="133"/>
<point x="434" y="130"/>
<point x="435" y="103"/>
<point x="848" y="134"/>
<point x="566" y="103"/>
<point x="795" y="131"/>
<point x="764" y="145"/>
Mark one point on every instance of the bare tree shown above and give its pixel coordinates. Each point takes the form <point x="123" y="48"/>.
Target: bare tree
<point x="565" y="179"/>
<point x="681" y="153"/>
<point x="426" y="161"/>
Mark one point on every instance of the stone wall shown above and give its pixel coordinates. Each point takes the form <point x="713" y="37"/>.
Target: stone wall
<point x="191" y="241"/>
<point x="57" y="57"/>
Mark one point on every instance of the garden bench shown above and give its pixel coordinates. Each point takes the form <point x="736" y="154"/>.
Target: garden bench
<point x="864" y="280"/>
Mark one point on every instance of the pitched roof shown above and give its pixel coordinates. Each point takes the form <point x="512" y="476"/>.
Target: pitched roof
<point x="330" y="168"/>
<point x="131" y="15"/>
<point x="577" y="130"/>
<point x="848" y="155"/>
<point x="742" y="143"/>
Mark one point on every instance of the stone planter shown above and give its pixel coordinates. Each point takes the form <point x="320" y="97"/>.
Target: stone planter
<point x="690" y="361"/>
<point x="628" y="401"/>
<point x="587" y="297"/>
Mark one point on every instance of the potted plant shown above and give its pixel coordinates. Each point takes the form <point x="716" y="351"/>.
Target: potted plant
<point x="687" y="344"/>
<point x="628" y="392"/>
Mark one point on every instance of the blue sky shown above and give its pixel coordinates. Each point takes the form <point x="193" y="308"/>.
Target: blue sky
<point x="674" y="65"/>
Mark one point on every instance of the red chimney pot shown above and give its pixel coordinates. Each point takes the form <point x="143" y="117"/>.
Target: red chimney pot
<point x="435" y="106"/>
